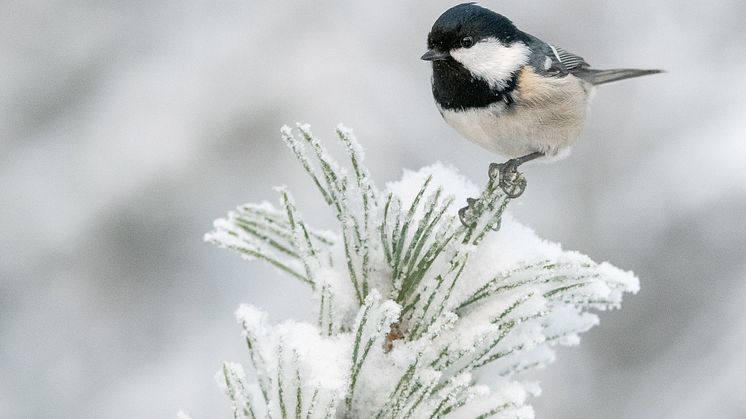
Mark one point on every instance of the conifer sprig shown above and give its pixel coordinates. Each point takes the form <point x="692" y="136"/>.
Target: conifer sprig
<point x="409" y="302"/>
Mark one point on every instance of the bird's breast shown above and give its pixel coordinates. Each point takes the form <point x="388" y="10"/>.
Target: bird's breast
<point x="546" y="115"/>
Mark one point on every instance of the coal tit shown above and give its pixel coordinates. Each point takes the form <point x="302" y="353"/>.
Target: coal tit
<point x="509" y="91"/>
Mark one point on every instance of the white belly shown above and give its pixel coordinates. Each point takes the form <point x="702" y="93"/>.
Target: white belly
<point x="547" y="117"/>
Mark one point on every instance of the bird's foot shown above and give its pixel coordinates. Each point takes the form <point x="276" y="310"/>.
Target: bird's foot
<point x="466" y="214"/>
<point x="508" y="178"/>
<point x="469" y="214"/>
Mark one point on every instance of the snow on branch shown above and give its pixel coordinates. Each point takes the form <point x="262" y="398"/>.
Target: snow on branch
<point x="410" y="304"/>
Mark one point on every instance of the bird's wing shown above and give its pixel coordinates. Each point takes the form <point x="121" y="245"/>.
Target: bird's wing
<point x="551" y="60"/>
<point x="567" y="59"/>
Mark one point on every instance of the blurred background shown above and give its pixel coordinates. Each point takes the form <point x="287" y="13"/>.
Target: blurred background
<point x="127" y="127"/>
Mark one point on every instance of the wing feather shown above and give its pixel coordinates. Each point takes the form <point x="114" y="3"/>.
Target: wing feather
<point x="567" y="59"/>
<point x="554" y="61"/>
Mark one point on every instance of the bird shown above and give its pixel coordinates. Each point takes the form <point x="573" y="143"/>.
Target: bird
<point x="508" y="91"/>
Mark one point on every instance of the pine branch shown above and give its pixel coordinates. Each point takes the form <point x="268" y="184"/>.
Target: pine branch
<point x="461" y="297"/>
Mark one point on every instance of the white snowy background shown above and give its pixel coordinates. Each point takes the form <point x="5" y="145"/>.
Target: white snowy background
<point x="127" y="127"/>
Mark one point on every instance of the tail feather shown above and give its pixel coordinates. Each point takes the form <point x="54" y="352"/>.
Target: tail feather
<point x="597" y="77"/>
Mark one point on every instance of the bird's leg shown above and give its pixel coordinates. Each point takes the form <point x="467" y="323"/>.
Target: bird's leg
<point x="507" y="176"/>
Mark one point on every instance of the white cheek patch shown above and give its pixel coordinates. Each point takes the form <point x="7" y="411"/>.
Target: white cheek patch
<point x="492" y="61"/>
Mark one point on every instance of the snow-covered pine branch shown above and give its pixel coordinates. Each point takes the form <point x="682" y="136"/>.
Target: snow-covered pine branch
<point x="411" y="306"/>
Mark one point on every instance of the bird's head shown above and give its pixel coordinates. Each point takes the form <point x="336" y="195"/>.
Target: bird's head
<point x="485" y="43"/>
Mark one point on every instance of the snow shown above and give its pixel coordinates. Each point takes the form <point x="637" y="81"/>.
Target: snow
<point x="415" y="342"/>
<point x="445" y="176"/>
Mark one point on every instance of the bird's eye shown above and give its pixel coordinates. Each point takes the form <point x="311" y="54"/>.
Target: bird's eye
<point x="467" y="42"/>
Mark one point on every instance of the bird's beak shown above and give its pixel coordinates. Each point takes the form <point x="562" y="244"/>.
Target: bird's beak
<point x="435" y="55"/>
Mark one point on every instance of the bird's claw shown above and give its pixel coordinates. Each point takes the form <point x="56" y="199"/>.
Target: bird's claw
<point x="469" y="214"/>
<point x="465" y="213"/>
<point x="508" y="178"/>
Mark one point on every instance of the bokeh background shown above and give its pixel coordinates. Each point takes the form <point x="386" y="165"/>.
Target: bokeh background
<point x="127" y="127"/>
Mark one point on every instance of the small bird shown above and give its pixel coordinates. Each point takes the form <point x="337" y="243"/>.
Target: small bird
<point x="509" y="91"/>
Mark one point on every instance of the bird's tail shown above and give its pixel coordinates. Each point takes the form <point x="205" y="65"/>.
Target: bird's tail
<point x="597" y="77"/>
